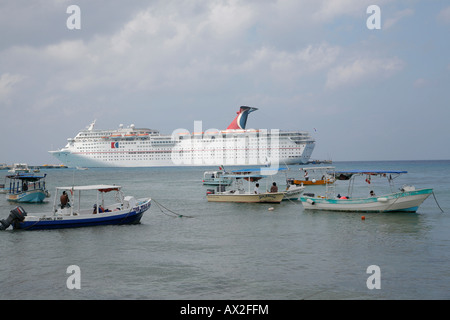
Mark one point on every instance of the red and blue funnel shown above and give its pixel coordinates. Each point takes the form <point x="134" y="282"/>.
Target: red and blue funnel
<point x="241" y="119"/>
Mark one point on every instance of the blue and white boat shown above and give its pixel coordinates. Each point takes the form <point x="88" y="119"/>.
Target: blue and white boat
<point x="122" y="211"/>
<point x="407" y="199"/>
<point x="26" y="188"/>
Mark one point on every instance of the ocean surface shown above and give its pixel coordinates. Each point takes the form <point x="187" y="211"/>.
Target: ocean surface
<point x="196" y="250"/>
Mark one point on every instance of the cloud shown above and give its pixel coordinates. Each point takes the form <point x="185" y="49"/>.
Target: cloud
<point x="444" y="16"/>
<point x="362" y="69"/>
<point x="391" y="21"/>
<point x="173" y="47"/>
<point x="192" y="46"/>
<point x="420" y="83"/>
<point x="7" y="83"/>
<point x="328" y="10"/>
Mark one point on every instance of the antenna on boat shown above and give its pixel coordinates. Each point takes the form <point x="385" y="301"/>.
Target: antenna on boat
<point x="73" y="177"/>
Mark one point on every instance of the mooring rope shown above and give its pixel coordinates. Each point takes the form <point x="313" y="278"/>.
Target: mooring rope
<point x="437" y="202"/>
<point x="177" y="215"/>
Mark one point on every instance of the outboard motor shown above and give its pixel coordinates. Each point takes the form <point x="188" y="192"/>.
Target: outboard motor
<point x="17" y="214"/>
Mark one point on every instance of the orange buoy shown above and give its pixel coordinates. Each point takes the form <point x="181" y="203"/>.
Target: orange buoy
<point x="363" y="218"/>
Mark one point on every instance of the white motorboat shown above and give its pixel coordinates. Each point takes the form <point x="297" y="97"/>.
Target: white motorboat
<point x="19" y="168"/>
<point x="215" y="178"/>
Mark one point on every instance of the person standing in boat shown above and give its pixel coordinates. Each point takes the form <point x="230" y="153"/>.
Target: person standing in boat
<point x="257" y="188"/>
<point x="64" y="200"/>
<point x="306" y="176"/>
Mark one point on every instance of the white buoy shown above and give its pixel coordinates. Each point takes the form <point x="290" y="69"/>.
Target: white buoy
<point x="271" y="208"/>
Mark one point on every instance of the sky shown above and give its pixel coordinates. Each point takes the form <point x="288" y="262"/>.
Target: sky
<point x="312" y="65"/>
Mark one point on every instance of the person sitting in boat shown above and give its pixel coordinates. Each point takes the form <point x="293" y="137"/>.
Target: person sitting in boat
<point x="100" y="209"/>
<point x="64" y="200"/>
<point x="274" y="187"/>
<point x="257" y="188"/>
<point x="372" y="194"/>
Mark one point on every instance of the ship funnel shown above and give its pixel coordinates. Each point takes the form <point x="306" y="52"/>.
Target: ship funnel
<point x="17" y="214"/>
<point x="241" y="119"/>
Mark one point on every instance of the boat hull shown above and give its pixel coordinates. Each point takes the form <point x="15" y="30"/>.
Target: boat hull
<point x="246" y="197"/>
<point x="312" y="183"/>
<point x="400" y="201"/>
<point x="293" y="193"/>
<point x="34" y="196"/>
<point x="132" y="216"/>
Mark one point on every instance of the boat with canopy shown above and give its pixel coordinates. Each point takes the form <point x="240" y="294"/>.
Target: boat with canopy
<point x="239" y="193"/>
<point x="123" y="210"/>
<point x="407" y="199"/>
<point x="26" y="188"/>
<point x="319" y="176"/>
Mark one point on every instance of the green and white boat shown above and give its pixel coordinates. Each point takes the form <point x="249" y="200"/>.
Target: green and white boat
<point x="407" y="199"/>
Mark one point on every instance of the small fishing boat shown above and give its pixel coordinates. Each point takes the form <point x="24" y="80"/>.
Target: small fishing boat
<point x="407" y="199"/>
<point x="293" y="192"/>
<point x="320" y="176"/>
<point x="238" y="193"/>
<point x="122" y="210"/>
<point x="215" y="178"/>
<point x="26" y="188"/>
<point x="19" y="168"/>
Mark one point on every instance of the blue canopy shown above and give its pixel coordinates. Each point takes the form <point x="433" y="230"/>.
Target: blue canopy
<point x="346" y="175"/>
<point x="26" y="177"/>
<point x="261" y="170"/>
<point x="370" y="172"/>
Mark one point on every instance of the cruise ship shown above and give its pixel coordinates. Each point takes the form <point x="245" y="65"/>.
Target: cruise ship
<point x="143" y="147"/>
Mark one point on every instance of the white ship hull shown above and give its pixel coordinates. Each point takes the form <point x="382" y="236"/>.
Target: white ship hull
<point x="131" y="147"/>
<point x="178" y="157"/>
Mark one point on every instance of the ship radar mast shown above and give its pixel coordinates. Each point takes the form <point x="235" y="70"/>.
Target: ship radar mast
<point x="91" y="126"/>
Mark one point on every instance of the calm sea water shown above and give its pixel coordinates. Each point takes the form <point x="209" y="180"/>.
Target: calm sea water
<point x="220" y="251"/>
